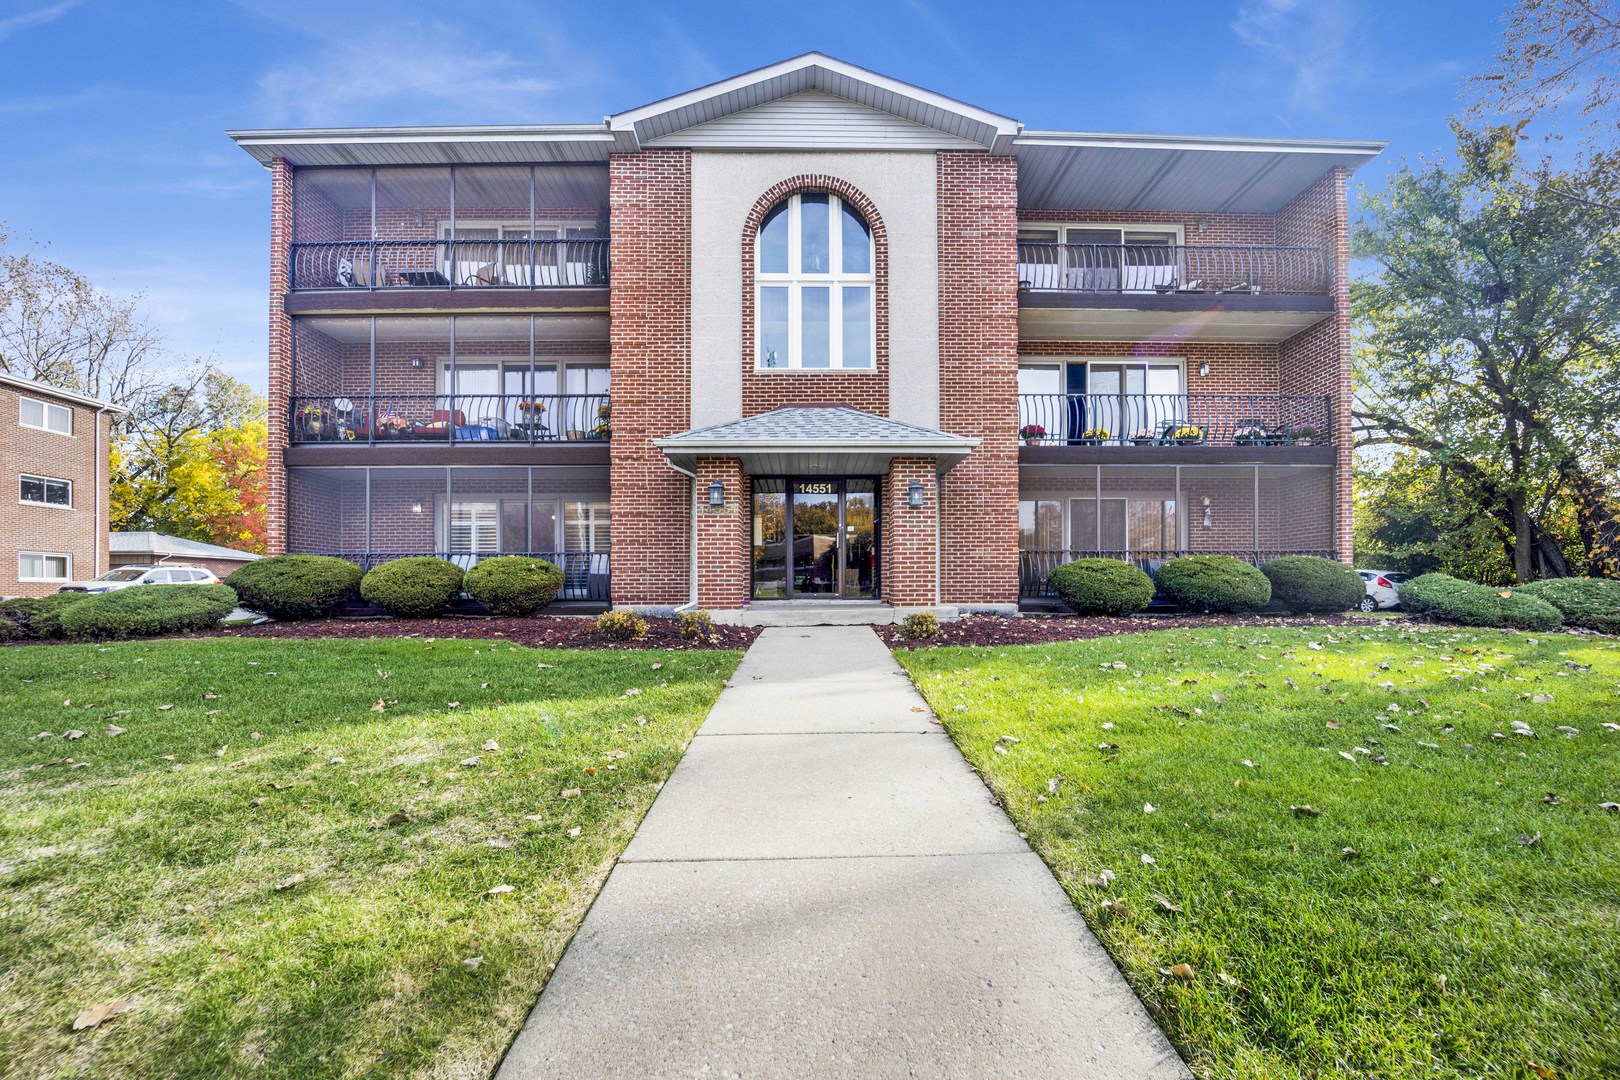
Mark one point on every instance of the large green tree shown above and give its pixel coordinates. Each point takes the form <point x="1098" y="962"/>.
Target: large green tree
<point x="1487" y="331"/>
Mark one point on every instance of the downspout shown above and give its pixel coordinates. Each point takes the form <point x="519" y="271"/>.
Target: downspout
<point x="95" y="550"/>
<point x="691" y="536"/>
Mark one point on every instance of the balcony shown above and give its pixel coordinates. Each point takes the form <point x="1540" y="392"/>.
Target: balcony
<point x="1252" y="423"/>
<point x="362" y="237"/>
<point x="1136" y="292"/>
<point x="446" y="418"/>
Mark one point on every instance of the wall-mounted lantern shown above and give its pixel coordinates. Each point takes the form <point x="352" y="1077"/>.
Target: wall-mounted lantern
<point x="717" y="493"/>
<point x="915" y="494"/>
<point x="416" y="508"/>
<point x="1207" y="522"/>
<point x="417" y="361"/>
<point x="1203" y="369"/>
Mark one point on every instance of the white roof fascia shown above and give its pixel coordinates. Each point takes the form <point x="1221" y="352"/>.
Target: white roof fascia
<point x="623" y="123"/>
<point x="47" y="390"/>
<point x="1130" y="141"/>
<point x="407" y="136"/>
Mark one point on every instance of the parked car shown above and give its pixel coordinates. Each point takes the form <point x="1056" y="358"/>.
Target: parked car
<point x="125" y="576"/>
<point x="1381" y="589"/>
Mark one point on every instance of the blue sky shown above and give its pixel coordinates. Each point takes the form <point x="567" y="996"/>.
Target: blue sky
<point x="113" y="112"/>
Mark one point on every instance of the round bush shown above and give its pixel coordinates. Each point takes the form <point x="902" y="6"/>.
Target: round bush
<point x="147" y="611"/>
<point x="413" y="588"/>
<point x="296" y="586"/>
<point x="1308" y="585"/>
<point x="1592" y="603"/>
<point x="39" y="616"/>
<point x="1441" y="596"/>
<point x="1101" y="586"/>
<point x="513" y="584"/>
<point x="621" y="625"/>
<point x="1214" y="583"/>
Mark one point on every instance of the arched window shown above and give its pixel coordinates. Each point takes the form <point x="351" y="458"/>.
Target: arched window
<point x="815" y="280"/>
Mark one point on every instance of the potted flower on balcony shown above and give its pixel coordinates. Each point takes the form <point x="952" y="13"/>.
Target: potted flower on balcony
<point x="390" y="426"/>
<point x="1032" y="434"/>
<point x="1306" y="435"/>
<point x="1186" y="435"/>
<point x="314" y="421"/>
<point x="1142" y="436"/>
<point x="1249" y="433"/>
<point x="1093" y="437"/>
<point x="604" y="425"/>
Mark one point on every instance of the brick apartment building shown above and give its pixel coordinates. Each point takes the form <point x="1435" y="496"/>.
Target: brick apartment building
<point x="53" y="464"/>
<point x="807" y="333"/>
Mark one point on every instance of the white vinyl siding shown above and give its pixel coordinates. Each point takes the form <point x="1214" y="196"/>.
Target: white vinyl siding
<point x="45" y="416"/>
<point x="814" y="118"/>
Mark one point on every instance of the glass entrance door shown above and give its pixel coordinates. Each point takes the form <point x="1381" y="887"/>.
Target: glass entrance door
<point x="815" y="538"/>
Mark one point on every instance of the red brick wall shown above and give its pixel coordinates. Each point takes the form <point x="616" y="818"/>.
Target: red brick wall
<point x="910" y="540"/>
<point x="723" y="549"/>
<point x="978" y="374"/>
<point x="763" y="391"/>
<point x="79" y="531"/>
<point x="651" y="199"/>
<point x="1318" y="360"/>
<point x="280" y="374"/>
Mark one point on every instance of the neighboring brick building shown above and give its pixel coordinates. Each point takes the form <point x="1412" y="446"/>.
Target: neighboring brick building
<point x="621" y="344"/>
<point x="53" y="486"/>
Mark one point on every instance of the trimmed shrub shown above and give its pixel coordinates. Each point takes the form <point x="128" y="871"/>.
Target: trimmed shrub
<point x="413" y="588"/>
<point x="1309" y="585"/>
<point x="1101" y="586"/>
<point x="1441" y="596"/>
<point x="39" y="616"/>
<point x="10" y="631"/>
<point x="621" y="625"/>
<point x="513" y="584"/>
<point x="148" y="611"/>
<point x="1592" y="603"/>
<point x="1214" y="583"/>
<point x="296" y="586"/>
<point x="694" y="625"/>
<point x="920" y="626"/>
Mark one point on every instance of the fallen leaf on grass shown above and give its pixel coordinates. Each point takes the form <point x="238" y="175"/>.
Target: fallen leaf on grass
<point x="96" y="1015"/>
<point x="1147" y="808"/>
<point x="471" y="763"/>
<point x="1540" y="1070"/>
<point x="1227" y="980"/>
<point x="490" y="746"/>
<point x="502" y="842"/>
<point x="1347" y="755"/>
<point x="615" y="755"/>
<point x="379" y="705"/>
<point x="499" y="890"/>
<point x="1148" y="860"/>
<point x="290" y="882"/>
<point x="73" y="734"/>
<point x="398" y="817"/>
<point x="472" y="962"/>
<point x="1103" y="879"/>
<point x="1611" y="807"/>
<point x="575" y="831"/>
<point x="569" y="793"/>
<point x="1117" y="908"/>
<point x="1184" y="972"/>
<point x="1526" y="839"/>
<point x="1053" y="783"/>
<point x="1349" y="853"/>
<point x="114" y="729"/>
<point x="1166" y="903"/>
<point x="164" y="708"/>
<point x="1305" y="810"/>
<point x="452" y="704"/>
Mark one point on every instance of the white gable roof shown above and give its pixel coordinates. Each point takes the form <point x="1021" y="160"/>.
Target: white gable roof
<point x="814" y="119"/>
<point x="671" y="121"/>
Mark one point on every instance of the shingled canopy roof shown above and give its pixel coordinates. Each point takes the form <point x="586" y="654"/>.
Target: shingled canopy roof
<point x="833" y="440"/>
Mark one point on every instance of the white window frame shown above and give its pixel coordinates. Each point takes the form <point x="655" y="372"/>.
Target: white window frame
<point x="45" y="416"/>
<point x="1065" y="272"/>
<point x="67" y="562"/>
<point x="1061" y="365"/>
<point x="44" y="480"/>
<point x="796" y="280"/>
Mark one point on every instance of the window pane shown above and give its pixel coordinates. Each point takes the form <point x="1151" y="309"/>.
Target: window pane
<point x="33" y="412"/>
<point x="1048" y="524"/>
<point x="773" y="241"/>
<point x="543" y="522"/>
<point x="857" y="326"/>
<point x="773" y="327"/>
<point x="33" y="489"/>
<point x="857" y="242"/>
<point x="816" y="317"/>
<point x="814" y="234"/>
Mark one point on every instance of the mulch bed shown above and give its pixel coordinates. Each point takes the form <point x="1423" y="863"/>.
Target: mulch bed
<point x="547" y="631"/>
<point x="1043" y="629"/>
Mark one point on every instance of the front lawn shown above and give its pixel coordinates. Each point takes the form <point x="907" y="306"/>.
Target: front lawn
<point x="294" y="857"/>
<point x="1368" y="869"/>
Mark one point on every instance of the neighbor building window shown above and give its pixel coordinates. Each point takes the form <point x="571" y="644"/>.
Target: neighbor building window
<point x="46" y="416"/>
<point x="44" y="566"/>
<point x="43" y="491"/>
<point x="815" y="284"/>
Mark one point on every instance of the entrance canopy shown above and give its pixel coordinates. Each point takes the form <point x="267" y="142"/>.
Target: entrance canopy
<point x="807" y="441"/>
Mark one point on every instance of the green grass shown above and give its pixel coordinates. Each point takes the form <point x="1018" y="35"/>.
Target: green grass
<point x="150" y="873"/>
<point x="1334" y="961"/>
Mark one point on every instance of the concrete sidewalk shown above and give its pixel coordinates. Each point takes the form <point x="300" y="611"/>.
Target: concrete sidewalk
<point x="824" y="888"/>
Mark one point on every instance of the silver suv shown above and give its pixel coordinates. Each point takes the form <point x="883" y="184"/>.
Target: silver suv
<point x="126" y="576"/>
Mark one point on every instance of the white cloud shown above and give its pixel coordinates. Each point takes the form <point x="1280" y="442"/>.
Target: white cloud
<point x="11" y="24"/>
<point x="1309" y="39"/>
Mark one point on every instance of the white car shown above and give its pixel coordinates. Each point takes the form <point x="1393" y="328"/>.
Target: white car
<point x="1381" y="589"/>
<point x="126" y="576"/>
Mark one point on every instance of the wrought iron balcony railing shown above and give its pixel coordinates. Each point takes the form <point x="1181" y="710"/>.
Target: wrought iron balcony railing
<point x="1172" y="269"/>
<point x="1175" y="420"/>
<point x="449" y="264"/>
<point x="1036" y="566"/>
<point x="585" y="573"/>
<point x="449" y="418"/>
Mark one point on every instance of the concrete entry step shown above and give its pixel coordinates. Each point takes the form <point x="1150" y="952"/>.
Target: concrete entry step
<point x="822" y="613"/>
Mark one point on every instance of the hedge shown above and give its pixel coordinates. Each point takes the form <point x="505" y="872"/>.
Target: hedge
<point x="1214" y="583"/>
<point x="148" y="611"/>
<point x="39" y="616"/>
<point x="1101" y="586"/>
<point x="1592" y="603"/>
<point x="414" y="587"/>
<point x="514" y="584"/>
<point x="1309" y="585"/>
<point x="1441" y="596"/>
<point x="9" y="631"/>
<point x="296" y="586"/>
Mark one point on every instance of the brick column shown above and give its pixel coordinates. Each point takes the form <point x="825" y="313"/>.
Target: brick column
<point x="978" y="374"/>
<point x="651" y="203"/>
<point x="722" y="535"/>
<point x="280" y="380"/>
<point x="911" y="536"/>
